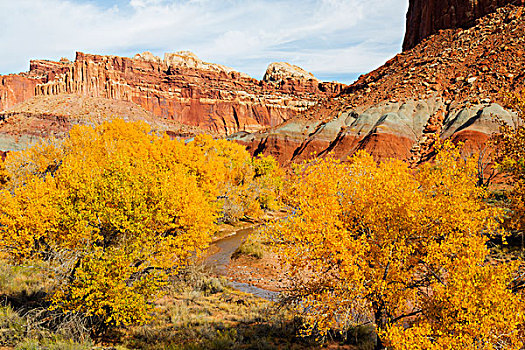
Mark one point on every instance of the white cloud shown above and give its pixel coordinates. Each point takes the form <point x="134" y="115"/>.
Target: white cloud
<point x="327" y="37"/>
<point x="144" y="3"/>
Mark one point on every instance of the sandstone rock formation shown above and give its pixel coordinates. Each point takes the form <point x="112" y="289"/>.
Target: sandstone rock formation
<point x="44" y="117"/>
<point x="180" y="87"/>
<point x="427" y="17"/>
<point x="281" y="71"/>
<point x="449" y="86"/>
<point x="404" y="130"/>
<point x="292" y="79"/>
<point x="15" y="89"/>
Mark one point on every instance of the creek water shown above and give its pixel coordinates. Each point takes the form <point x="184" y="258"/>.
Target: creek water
<point x="219" y="261"/>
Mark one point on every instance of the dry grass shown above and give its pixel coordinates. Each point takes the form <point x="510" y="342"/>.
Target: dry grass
<point x="199" y="311"/>
<point x="253" y="246"/>
<point x="21" y="280"/>
<point x="194" y="315"/>
<point x="33" y="344"/>
<point x="21" y="330"/>
<point x="26" y="322"/>
<point x="12" y="326"/>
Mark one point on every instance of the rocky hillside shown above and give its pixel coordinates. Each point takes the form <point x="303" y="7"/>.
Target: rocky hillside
<point x="448" y="86"/>
<point x="179" y="87"/>
<point x="427" y="17"/>
<point x="15" y="89"/>
<point x="31" y="121"/>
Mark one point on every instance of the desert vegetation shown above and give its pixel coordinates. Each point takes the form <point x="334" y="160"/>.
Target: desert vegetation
<point x="408" y="250"/>
<point x="102" y="237"/>
<point x="109" y="214"/>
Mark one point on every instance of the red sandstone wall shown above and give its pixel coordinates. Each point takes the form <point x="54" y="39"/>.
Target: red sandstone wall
<point x="215" y="99"/>
<point x="426" y="17"/>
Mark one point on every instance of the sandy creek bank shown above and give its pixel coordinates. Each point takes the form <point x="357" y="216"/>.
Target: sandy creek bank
<point x="260" y="277"/>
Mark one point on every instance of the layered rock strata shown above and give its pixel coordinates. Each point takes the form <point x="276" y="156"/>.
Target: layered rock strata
<point x="449" y="86"/>
<point x="180" y="87"/>
<point x="47" y="117"/>
<point x="403" y="130"/>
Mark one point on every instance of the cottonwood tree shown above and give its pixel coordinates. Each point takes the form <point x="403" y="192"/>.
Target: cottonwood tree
<point x="112" y="210"/>
<point x="405" y="248"/>
<point x="510" y="157"/>
<point x="249" y="185"/>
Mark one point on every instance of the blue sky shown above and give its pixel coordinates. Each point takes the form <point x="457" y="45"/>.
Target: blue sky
<point x="334" y="39"/>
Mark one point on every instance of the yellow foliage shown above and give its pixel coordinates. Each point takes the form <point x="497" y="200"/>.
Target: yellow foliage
<point x="115" y="208"/>
<point x="402" y="248"/>
<point x="248" y="184"/>
<point x="474" y="309"/>
<point x="510" y="145"/>
<point x="269" y="181"/>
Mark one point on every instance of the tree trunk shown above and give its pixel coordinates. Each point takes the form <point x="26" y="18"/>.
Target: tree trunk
<point x="380" y="324"/>
<point x="379" y="343"/>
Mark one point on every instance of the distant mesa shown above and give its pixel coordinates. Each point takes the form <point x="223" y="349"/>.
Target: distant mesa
<point x="186" y="59"/>
<point x="276" y="72"/>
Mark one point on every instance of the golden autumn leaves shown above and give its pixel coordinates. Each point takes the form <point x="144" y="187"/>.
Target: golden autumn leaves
<point x="113" y="210"/>
<point x="401" y="248"/>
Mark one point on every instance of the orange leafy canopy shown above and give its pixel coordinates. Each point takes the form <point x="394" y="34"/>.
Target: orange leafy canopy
<point x="404" y="249"/>
<point x="114" y="209"/>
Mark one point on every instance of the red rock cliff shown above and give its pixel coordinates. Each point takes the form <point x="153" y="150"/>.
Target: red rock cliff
<point x="447" y="87"/>
<point x="426" y="17"/>
<point x="15" y="89"/>
<point x="183" y="88"/>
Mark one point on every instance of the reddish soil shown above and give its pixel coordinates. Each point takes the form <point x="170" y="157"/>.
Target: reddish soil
<point x="265" y="273"/>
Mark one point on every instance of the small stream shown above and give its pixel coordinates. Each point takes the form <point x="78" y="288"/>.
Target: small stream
<point x="219" y="262"/>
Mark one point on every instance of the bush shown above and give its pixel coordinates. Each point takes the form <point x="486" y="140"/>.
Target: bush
<point x="252" y="246"/>
<point x="212" y="285"/>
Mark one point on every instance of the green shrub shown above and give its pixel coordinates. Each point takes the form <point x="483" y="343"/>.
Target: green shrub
<point x="212" y="285"/>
